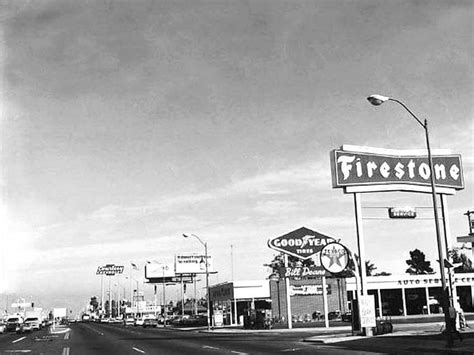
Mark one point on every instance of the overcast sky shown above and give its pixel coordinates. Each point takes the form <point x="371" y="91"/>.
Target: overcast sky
<point x="127" y="123"/>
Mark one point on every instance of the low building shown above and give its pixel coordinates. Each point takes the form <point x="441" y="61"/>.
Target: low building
<point x="306" y="297"/>
<point x="414" y="294"/>
<point x="232" y="301"/>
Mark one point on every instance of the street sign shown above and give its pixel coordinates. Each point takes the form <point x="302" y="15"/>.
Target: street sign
<point x="367" y="311"/>
<point x="334" y="257"/>
<point x="302" y="243"/>
<point x="402" y="212"/>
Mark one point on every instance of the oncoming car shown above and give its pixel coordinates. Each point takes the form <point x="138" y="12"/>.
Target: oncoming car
<point x="13" y="323"/>
<point x="35" y="323"/>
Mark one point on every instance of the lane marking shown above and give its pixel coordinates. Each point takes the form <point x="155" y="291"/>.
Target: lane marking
<point x="66" y="336"/>
<point x="209" y="347"/>
<point x="19" y="339"/>
<point x="59" y="331"/>
<point x="17" y="351"/>
<point x="238" y="352"/>
<point x="293" y="349"/>
<point x="136" y="349"/>
<point x="66" y="351"/>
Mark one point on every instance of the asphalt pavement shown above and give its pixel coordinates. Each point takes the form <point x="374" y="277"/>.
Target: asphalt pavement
<point x="424" y="336"/>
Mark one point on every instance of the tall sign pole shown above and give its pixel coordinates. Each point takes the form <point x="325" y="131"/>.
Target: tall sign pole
<point x="304" y="244"/>
<point x="288" y="299"/>
<point x="109" y="270"/>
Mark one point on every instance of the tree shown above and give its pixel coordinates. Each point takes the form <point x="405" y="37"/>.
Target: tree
<point x="94" y="303"/>
<point x="417" y="264"/>
<point x="457" y="257"/>
<point x="369" y="269"/>
<point x="279" y="262"/>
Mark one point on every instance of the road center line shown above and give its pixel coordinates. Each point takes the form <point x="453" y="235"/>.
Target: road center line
<point x="209" y="347"/>
<point x="136" y="349"/>
<point x="66" y="351"/>
<point x="19" y="339"/>
<point x="292" y="349"/>
<point x="66" y="336"/>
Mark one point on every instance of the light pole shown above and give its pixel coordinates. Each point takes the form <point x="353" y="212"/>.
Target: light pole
<point x="378" y="100"/>
<point x="207" y="278"/>
<point x="164" y="296"/>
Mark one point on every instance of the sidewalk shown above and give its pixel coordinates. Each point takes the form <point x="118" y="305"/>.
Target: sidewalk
<point x="411" y="341"/>
<point x="419" y="338"/>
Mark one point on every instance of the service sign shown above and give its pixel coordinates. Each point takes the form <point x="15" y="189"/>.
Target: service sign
<point x="402" y="212"/>
<point x="110" y="270"/>
<point x="376" y="166"/>
<point x="302" y="243"/>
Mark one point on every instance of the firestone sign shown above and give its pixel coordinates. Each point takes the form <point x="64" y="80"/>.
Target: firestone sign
<point x="374" y="166"/>
<point x="302" y="243"/>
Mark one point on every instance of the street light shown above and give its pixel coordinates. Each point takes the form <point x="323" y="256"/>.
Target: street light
<point x="207" y="278"/>
<point x="378" y="100"/>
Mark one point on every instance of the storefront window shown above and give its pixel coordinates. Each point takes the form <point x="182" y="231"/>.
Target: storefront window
<point x="465" y="298"/>
<point x="434" y="300"/>
<point x="392" y="302"/>
<point x="415" y="300"/>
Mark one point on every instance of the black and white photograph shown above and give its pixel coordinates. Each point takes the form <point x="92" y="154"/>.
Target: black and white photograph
<point x="236" y="177"/>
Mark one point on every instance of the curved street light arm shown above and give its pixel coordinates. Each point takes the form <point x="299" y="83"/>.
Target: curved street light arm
<point x="409" y="111"/>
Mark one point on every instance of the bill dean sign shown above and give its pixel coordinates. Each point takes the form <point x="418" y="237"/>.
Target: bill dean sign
<point x="374" y="166"/>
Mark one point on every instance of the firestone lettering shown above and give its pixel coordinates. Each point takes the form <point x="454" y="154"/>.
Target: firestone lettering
<point x="385" y="170"/>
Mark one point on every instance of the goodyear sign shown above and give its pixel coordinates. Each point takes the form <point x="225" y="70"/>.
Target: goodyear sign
<point x="302" y="243"/>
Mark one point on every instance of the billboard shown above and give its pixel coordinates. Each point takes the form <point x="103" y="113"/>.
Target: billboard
<point x="158" y="271"/>
<point x="364" y="166"/>
<point x="192" y="264"/>
<point x="302" y="243"/>
<point x="59" y="312"/>
<point x="110" y="269"/>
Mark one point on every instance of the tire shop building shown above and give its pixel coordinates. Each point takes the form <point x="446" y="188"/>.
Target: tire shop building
<point x="306" y="298"/>
<point x="414" y="294"/>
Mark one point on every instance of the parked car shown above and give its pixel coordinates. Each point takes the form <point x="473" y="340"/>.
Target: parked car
<point x="334" y="315"/>
<point x="24" y="327"/>
<point x="13" y="323"/>
<point x="347" y="317"/>
<point x="3" y="328"/>
<point x="129" y="321"/>
<point x="138" y="321"/>
<point x="178" y="320"/>
<point x="150" y="322"/>
<point x="35" y="323"/>
<point x="194" y="321"/>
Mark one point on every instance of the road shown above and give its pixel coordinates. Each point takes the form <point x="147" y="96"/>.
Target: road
<point x="103" y="339"/>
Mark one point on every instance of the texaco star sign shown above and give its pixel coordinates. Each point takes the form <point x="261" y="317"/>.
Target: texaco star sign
<point x="334" y="257"/>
